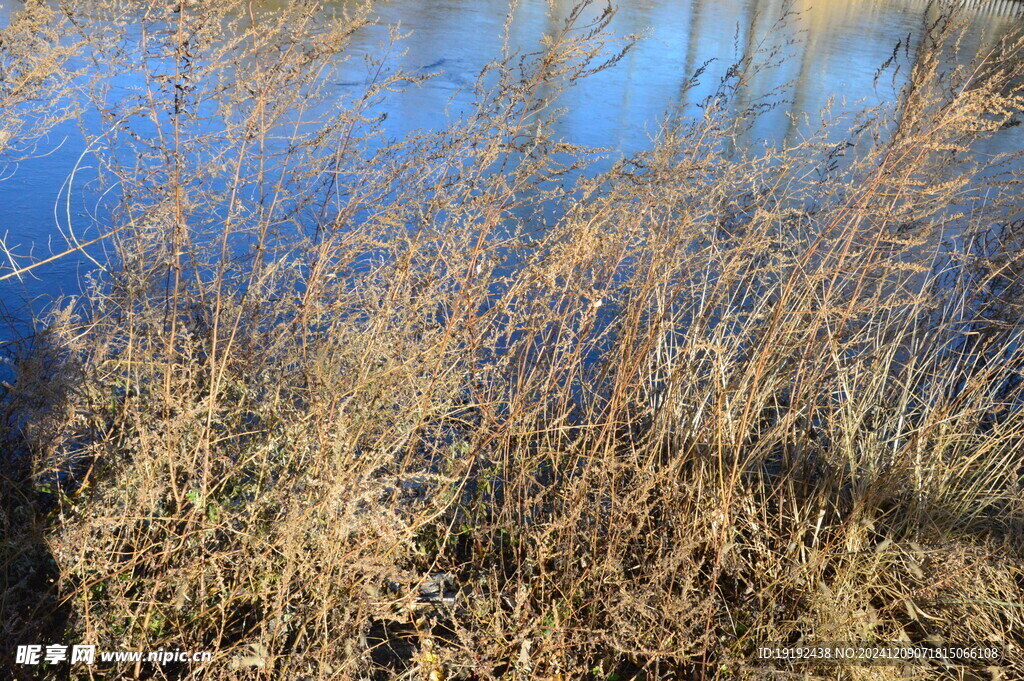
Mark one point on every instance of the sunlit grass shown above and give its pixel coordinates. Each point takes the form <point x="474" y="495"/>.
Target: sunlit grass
<point x="359" y="411"/>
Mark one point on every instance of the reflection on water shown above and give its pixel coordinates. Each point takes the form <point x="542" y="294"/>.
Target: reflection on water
<point x="834" y="49"/>
<point x="837" y="48"/>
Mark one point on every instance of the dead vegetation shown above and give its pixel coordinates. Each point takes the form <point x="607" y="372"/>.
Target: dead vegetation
<point x="347" y="408"/>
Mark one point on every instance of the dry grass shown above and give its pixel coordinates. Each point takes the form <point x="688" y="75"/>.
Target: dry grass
<point x="346" y="409"/>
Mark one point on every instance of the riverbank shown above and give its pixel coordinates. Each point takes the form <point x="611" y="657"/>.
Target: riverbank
<point x="350" y="410"/>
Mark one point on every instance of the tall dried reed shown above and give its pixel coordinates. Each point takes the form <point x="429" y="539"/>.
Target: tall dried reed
<point x="345" y="407"/>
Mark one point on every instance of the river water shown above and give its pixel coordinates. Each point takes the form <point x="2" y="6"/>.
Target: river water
<point x="835" y="50"/>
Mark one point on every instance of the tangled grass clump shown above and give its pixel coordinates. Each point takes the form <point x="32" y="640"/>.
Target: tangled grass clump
<point x="343" y="409"/>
